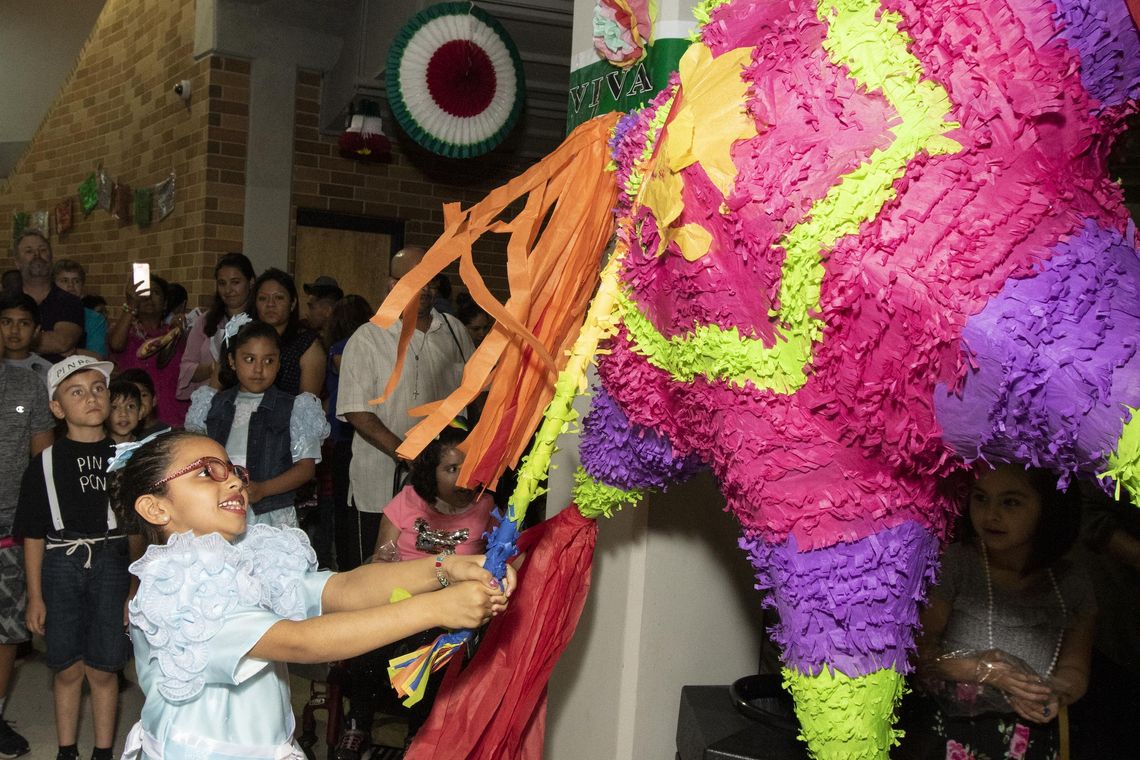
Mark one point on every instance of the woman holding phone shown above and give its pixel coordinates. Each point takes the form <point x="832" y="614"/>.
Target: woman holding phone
<point x="140" y="338"/>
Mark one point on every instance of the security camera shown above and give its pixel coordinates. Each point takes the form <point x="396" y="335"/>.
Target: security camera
<point x="182" y="89"/>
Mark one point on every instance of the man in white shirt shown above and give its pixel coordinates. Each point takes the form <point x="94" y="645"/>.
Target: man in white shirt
<point x="433" y="368"/>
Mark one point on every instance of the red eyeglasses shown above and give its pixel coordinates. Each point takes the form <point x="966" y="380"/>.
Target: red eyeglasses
<point x="218" y="469"/>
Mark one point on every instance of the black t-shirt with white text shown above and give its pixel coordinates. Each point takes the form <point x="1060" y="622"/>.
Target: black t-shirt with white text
<point x="60" y="306"/>
<point x="80" y="480"/>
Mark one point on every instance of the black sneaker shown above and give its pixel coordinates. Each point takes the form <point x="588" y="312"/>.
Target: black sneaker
<point x="71" y="753"/>
<point x="11" y="743"/>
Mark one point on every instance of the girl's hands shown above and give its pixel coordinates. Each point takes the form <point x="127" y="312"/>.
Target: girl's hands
<point x="469" y="567"/>
<point x="1034" y="711"/>
<point x="468" y="604"/>
<point x="1015" y="681"/>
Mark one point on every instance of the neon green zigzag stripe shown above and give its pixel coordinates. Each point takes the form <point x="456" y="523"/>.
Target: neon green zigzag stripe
<point x="874" y="51"/>
<point x="595" y="499"/>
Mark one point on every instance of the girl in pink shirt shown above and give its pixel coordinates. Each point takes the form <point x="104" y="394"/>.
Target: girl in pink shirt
<point x="432" y="515"/>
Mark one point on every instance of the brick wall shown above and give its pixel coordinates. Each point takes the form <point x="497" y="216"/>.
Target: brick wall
<point x="412" y="188"/>
<point x="117" y="109"/>
<point x="226" y="142"/>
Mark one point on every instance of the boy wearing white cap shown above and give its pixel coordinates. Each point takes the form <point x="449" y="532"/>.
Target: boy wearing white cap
<point x="76" y="556"/>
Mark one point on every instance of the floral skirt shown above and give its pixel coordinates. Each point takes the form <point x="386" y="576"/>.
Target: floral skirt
<point x="930" y="734"/>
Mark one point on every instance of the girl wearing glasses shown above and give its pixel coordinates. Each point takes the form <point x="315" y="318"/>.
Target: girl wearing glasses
<point x="288" y="430"/>
<point x="215" y="620"/>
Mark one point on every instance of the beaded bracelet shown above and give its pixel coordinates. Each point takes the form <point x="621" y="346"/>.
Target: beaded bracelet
<point x="439" y="574"/>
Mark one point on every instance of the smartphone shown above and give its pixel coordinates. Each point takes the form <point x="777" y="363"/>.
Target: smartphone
<point x="140" y="276"/>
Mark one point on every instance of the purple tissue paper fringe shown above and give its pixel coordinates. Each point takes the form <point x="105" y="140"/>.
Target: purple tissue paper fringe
<point x="1102" y="33"/>
<point x="1055" y="359"/>
<point x="623" y="454"/>
<point x="852" y="606"/>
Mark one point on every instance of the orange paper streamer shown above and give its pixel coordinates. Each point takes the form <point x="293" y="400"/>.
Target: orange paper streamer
<point x="555" y="246"/>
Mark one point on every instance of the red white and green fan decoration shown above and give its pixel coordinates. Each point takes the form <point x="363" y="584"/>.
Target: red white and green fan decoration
<point x="455" y="80"/>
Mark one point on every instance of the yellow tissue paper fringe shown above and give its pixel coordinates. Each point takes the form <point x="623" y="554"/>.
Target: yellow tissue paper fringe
<point x="408" y="673"/>
<point x="595" y="499"/>
<point x="711" y="119"/>
<point x="1124" y="462"/>
<point x="844" y="718"/>
<point x="874" y="51"/>
<point x="636" y="178"/>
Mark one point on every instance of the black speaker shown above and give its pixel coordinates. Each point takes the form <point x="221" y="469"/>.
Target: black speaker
<point x="711" y="727"/>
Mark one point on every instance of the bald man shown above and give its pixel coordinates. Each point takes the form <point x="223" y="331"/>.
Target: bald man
<point x="432" y="370"/>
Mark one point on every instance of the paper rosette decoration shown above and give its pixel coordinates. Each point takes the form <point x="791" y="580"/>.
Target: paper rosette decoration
<point x="455" y="80"/>
<point x="861" y="245"/>
<point x="623" y="29"/>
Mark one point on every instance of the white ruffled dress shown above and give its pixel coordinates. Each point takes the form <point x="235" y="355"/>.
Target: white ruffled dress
<point x="202" y="604"/>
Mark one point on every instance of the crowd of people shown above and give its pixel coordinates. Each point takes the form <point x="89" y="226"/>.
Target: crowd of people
<point x="281" y="392"/>
<point x="252" y="418"/>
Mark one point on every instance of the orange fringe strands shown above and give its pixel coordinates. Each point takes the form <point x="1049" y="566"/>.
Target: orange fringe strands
<point x="555" y="247"/>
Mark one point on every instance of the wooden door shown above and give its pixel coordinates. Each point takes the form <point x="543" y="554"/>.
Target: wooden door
<point x="357" y="259"/>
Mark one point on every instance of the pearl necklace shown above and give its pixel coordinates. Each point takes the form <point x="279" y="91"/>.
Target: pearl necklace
<point x="990" y="600"/>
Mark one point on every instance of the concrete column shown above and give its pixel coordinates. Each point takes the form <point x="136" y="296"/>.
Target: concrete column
<point x="277" y="41"/>
<point x="269" y="163"/>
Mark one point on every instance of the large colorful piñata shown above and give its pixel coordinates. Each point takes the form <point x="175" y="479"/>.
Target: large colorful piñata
<point x="860" y="246"/>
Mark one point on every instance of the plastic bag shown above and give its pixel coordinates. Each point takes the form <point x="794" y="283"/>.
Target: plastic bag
<point x="961" y="699"/>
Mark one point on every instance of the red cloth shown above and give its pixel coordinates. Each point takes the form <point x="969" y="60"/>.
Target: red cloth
<point x="495" y="707"/>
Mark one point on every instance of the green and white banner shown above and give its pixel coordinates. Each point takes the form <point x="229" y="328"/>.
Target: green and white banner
<point x="601" y="87"/>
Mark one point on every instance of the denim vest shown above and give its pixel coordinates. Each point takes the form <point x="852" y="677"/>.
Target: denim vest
<point x="268" y="448"/>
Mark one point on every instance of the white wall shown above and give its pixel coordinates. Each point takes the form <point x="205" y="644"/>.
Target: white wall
<point x="671" y="604"/>
<point x="39" y="42"/>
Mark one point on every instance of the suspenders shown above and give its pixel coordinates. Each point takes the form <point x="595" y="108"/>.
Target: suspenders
<point x="53" y="495"/>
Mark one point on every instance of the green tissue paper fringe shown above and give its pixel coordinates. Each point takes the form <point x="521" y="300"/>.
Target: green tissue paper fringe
<point x="844" y="718"/>
<point x="1124" y="463"/>
<point x="596" y="499"/>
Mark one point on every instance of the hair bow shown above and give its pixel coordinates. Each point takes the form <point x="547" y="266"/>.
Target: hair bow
<point x="124" y="451"/>
<point x="237" y="322"/>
